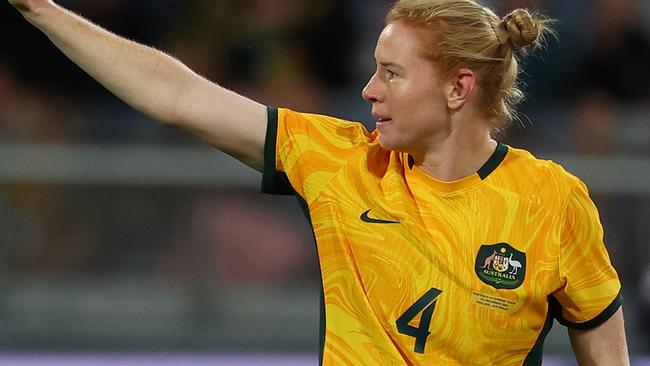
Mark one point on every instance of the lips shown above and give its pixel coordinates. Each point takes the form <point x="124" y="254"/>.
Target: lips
<point x="383" y="121"/>
<point x="383" y="124"/>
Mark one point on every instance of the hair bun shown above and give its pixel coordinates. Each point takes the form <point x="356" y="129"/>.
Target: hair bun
<point x="521" y="29"/>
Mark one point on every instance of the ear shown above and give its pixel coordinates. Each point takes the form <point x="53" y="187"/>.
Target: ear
<point x="461" y="88"/>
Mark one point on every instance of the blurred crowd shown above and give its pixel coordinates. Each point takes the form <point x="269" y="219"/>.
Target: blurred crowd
<point x="278" y="52"/>
<point x="588" y="93"/>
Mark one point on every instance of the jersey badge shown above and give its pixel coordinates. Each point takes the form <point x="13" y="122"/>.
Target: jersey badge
<point x="501" y="266"/>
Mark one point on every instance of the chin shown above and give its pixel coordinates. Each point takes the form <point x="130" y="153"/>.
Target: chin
<point x="386" y="145"/>
<point x="390" y="145"/>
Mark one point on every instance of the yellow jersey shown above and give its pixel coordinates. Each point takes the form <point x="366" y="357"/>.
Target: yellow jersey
<point x="417" y="271"/>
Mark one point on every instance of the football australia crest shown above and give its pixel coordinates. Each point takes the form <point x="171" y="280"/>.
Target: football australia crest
<point x="501" y="266"/>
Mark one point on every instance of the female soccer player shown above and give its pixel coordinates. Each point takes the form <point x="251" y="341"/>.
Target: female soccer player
<point x="437" y="244"/>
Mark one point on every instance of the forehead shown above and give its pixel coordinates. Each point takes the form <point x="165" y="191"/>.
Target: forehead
<point x="398" y="43"/>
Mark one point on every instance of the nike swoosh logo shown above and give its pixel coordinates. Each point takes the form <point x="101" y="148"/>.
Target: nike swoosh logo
<point x="368" y="219"/>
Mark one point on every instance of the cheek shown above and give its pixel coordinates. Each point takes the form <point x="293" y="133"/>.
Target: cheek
<point x="421" y="92"/>
<point x="425" y="106"/>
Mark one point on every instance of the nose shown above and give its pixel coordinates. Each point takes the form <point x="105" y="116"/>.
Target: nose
<point x="370" y="92"/>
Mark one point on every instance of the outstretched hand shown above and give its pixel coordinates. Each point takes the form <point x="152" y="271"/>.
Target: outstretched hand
<point x="29" y="6"/>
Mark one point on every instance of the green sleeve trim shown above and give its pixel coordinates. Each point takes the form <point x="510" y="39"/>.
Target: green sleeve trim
<point x="273" y="181"/>
<point x="494" y="161"/>
<point x="323" y="320"/>
<point x="534" y="357"/>
<point x="598" y="320"/>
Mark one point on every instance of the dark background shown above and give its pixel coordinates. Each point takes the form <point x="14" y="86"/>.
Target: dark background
<point x="119" y="234"/>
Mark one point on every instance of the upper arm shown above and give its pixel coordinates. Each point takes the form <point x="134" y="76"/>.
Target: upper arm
<point x="224" y="119"/>
<point x="590" y="298"/>
<point x="156" y="83"/>
<point x="590" y="285"/>
<point x="602" y="345"/>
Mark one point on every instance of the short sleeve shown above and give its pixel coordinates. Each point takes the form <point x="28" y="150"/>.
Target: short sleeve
<point x="591" y="291"/>
<point x="303" y="151"/>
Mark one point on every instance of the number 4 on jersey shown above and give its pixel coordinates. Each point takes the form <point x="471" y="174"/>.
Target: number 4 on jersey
<point x="425" y="304"/>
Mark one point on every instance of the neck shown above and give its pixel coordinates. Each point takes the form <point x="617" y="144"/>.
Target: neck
<point x="459" y="154"/>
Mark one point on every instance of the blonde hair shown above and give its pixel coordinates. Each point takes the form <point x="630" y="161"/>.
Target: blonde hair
<point x="462" y="33"/>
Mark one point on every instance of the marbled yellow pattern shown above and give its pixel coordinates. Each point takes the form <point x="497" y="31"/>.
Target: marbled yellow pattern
<point x="373" y="272"/>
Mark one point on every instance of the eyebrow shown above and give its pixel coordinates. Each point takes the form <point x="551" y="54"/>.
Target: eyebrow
<point x="387" y="64"/>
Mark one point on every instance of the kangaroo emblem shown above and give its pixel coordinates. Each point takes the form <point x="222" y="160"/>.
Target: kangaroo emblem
<point x="488" y="260"/>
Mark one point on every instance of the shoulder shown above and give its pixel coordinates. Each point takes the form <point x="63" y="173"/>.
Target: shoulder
<point x="541" y="168"/>
<point x="541" y="177"/>
<point x="310" y="129"/>
<point x="321" y="121"/>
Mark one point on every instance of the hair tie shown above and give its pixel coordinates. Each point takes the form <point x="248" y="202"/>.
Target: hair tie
<point x="503" y="26"/>
<point x="497" y="34"/>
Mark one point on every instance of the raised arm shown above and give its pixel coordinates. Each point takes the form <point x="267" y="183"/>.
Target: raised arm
<point x="604" y="345"/>
<point x="155" y="83"/>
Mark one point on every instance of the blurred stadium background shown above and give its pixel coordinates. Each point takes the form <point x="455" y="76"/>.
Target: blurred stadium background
<point x="125" y="242"/>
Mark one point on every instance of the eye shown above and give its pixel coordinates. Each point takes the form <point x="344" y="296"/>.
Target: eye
<point x="390" y="74"/>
